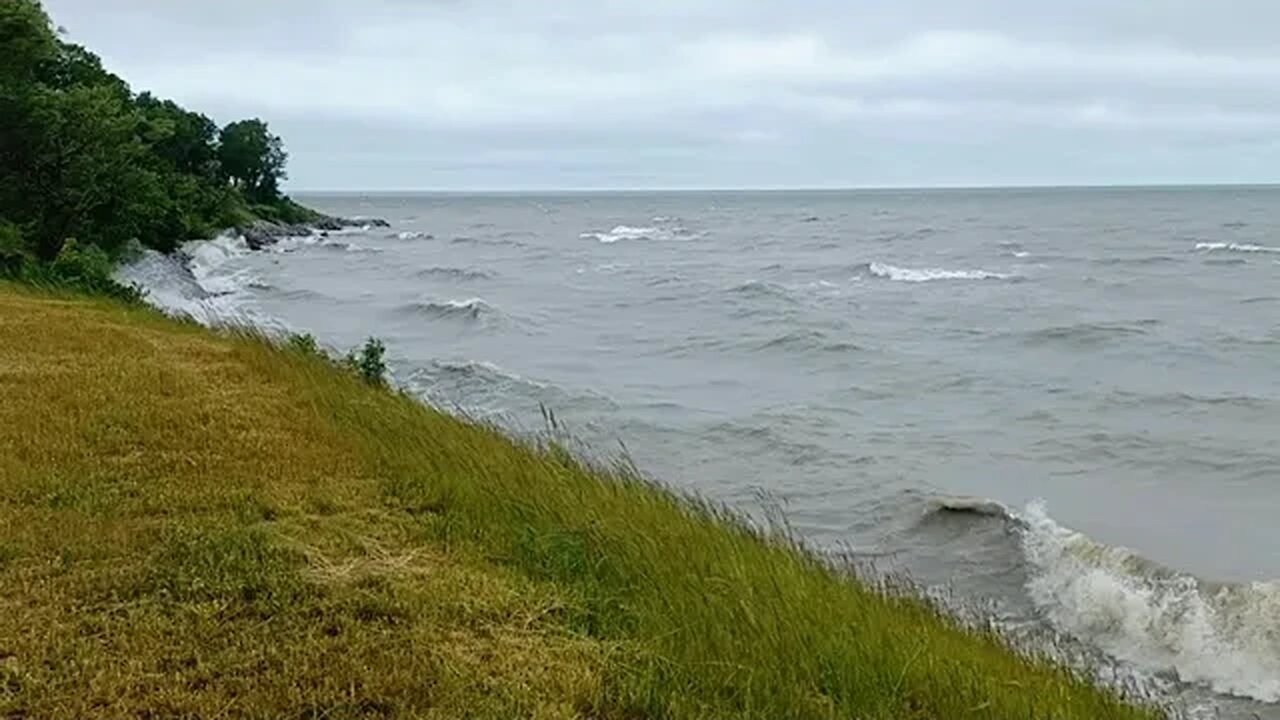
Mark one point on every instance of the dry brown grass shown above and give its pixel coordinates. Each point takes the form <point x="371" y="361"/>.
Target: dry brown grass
<point x="183" y="535"/>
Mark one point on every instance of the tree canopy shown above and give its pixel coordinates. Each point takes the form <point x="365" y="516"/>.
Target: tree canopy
<point x="253" y="159"/>
<point x="84" y="157"/>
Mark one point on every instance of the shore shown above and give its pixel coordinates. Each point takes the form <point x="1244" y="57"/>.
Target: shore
<point x="199" y="523"/>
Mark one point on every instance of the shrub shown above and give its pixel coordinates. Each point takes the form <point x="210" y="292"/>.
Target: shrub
<point x="368" y="362"/>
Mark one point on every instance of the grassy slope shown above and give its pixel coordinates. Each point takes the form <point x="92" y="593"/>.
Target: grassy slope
<point x="203" y="525"/>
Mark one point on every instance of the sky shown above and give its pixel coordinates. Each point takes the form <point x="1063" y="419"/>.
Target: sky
<point x="610" y="94"/>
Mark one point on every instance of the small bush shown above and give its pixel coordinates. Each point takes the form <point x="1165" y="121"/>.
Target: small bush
<point x="368" y="362"/>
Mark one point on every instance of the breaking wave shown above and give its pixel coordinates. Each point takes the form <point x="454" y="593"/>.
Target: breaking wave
<point x="413" y="235"/>
<point x="664" y="230"/>
<point x="470" y="310"/>
<point x="196" y="282"/>
<point x="918" y="275"/>
<point x="1221" y="636"/>
<point x="625" y="232"/>
<point x="1236" y="247"/>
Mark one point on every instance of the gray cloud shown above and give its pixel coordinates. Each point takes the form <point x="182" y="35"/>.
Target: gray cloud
<point x="697" y="93"/>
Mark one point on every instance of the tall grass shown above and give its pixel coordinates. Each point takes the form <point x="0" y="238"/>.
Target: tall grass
<point x="213" y="524"/>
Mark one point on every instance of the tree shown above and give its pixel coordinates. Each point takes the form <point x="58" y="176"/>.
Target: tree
<point x="28" y="46"/>
<point x="186" y="140"/>
<point x="253" y="159"/>
<point x="87" y="174"/>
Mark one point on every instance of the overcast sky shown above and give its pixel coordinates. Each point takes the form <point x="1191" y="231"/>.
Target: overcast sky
<point x="516" y="94"/>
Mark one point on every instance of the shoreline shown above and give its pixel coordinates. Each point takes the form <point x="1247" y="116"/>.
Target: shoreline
<point x="645" y="632"/>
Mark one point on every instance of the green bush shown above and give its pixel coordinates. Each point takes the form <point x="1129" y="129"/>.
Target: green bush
<point x="368" y="362"/>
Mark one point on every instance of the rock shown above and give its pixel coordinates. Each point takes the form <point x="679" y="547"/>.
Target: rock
<point x="263" y="233"/>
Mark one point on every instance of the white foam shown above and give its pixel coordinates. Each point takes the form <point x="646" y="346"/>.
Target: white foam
<point x="474" y="303"/>
<point x="1236" y="247"/>
<point x="900" y="274"/>
<point x="1224" y="637"/>
<point x="627" y="232"/>
<point x="1021" y="254"/>
<point x="200" y="282"/>
<point x="413" y="235"/>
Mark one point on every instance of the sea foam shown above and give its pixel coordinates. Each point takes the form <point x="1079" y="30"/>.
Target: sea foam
<point x="1225" y="637"/>
<point x="918" y="275"/>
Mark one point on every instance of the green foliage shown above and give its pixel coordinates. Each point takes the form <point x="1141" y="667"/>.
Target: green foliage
<point x="253" y="159"/>
<point x="368" y="362"/>
<point x="82" y="156"/>
<point x="286" y="211"/>
<point x="28" y="43"/>
<point x="83" y="268"/>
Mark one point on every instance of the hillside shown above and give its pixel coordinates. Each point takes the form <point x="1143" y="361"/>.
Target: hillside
<point x="203" y="525"/>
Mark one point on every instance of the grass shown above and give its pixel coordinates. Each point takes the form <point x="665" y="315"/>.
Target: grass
<point x="205" y="525"/>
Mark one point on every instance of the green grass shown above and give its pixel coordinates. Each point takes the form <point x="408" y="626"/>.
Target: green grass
<point x="205" y="525"/>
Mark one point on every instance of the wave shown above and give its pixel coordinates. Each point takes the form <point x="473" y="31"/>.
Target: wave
<point x="1186" y="399"/>
<point x="1223" y="636"/>
<point x="469" y="240"/>
<point x="806" y="341"/>
<point x="626" y="232"/>
<point x="471" y="309"/>
<point x="917" y="275"/>
<point x="1147" y="260"/>
<point x="1087" y="333"/>
<point x="762" y="290"/>
<point x="200" y="282"/>
<point x="630" y="232"/>
<point x="1236" y="247"/>
<point x="480" y="369"/>
<point x="346" y="247"/>
<point x="969" y="506"/>
<point x="453" y="273"/>
<point x="412" y="235"/>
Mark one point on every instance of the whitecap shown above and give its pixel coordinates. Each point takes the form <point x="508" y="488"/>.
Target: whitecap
<point x="917" y="275"/>
<point x="627" y="232"/>
<point x="1236" y="247"/>
<point x="1225" y="637"/>
<point x="468" y="310"/>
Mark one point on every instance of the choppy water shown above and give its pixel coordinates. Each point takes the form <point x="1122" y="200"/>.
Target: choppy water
<point x="1110" y="358"/>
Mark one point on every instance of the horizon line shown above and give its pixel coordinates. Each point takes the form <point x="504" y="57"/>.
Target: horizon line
<point x="778" y="189"/>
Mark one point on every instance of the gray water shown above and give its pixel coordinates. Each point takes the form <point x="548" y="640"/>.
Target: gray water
<point x="1105" y="360"/>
